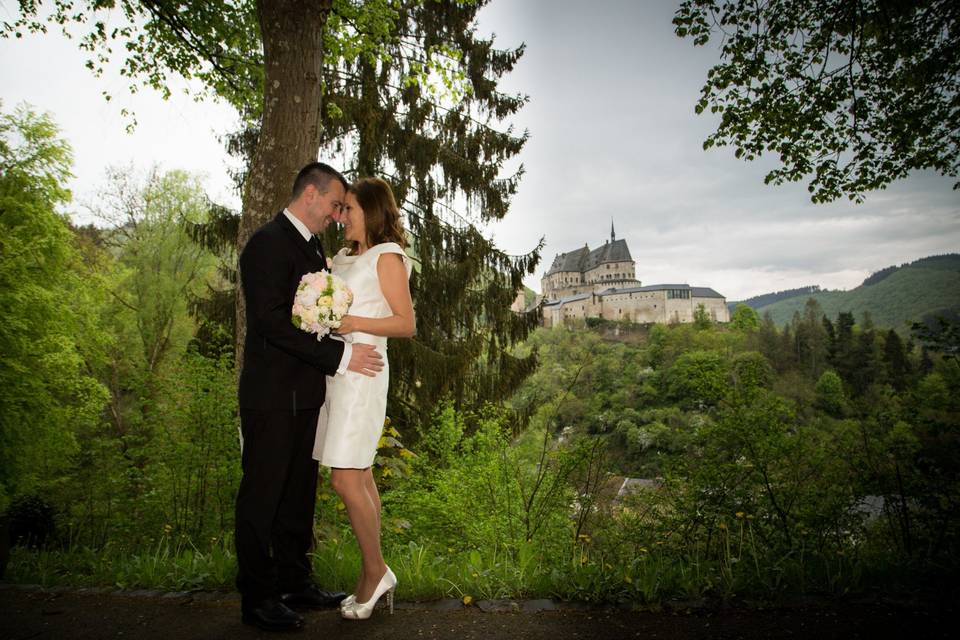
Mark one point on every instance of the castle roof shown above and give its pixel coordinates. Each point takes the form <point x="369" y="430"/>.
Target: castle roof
<point x="652" y="287"/>
<point x="570" y="261"/>
<point x="705" y="292"/>
<point x="561" y="301"/>
<point x="583" y="259"/>
<point x="696" y="292"/>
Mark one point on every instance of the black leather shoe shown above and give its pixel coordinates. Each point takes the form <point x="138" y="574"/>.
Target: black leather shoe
<point x="312" y="597"/>
<point x="271" y="615"/>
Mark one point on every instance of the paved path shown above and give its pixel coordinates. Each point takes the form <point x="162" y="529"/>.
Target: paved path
<point x="29" y="614"/>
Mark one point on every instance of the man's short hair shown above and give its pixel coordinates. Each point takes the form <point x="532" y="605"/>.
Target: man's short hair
<point x="319" y="175"/>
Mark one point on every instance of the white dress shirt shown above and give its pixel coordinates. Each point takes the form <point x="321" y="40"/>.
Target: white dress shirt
<point x="347" y="347"/>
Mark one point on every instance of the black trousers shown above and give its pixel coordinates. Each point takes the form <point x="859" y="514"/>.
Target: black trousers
<point x="275" y="503"/>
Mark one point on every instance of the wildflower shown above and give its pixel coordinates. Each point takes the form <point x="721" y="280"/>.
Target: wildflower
<point x="584" y="537"/>
<point x="628" y="579"/>
<point x="476" y="575"/>
<point x="167" y="529"/>
<point x="749" y="517"/>
<point x="723" y="525"/>
<point x="643" y="550"/>
<point x="467" y="600"/>
<point x="739" y="515"/>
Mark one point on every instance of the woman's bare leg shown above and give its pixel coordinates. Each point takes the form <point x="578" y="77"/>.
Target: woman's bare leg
<point x="364" y="514"/>
<point x="371" y="487"/>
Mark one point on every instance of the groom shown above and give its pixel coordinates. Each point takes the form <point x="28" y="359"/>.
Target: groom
<point x="282" y="386"/>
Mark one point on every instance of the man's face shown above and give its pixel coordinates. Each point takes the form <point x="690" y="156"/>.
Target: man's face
<point x="325" y="206"/>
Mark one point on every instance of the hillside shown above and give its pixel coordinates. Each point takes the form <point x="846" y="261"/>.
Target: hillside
<point x="757" y="302"/>
<point x="900" y="295"/>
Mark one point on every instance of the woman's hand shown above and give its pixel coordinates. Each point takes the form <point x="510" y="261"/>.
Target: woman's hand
<point x="348" y="324"/>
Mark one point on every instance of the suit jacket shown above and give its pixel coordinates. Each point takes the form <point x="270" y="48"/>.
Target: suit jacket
<point x="283" y="366"/>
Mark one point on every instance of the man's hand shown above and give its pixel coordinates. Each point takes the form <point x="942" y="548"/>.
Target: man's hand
<point x="348" y="324"/>
<point x="365" y="359"/>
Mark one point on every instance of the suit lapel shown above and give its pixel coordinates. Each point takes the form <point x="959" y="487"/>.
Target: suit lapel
<point x="298" y="240"/>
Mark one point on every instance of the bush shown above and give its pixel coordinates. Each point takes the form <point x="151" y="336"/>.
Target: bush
<point x="31" y="521"/>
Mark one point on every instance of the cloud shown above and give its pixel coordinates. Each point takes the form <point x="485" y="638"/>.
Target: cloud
<point x="614" y="136"/>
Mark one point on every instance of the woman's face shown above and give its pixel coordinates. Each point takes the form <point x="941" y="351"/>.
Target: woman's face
<point x="354" y="228"/>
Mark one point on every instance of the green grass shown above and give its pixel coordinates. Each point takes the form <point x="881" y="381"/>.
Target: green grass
<point x="427" y="571"/>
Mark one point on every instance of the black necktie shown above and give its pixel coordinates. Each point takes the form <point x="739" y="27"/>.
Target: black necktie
<point x="314" y="243"/>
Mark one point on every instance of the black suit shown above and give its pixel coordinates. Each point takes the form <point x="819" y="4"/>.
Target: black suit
<point x="282" y="386"/>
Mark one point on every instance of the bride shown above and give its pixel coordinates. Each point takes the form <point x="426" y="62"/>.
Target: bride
<point x="351" y="420"/>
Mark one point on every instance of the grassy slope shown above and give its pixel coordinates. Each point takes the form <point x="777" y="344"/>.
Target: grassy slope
<point x="904" y="296"/>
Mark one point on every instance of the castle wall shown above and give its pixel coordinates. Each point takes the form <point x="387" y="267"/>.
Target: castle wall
<point x="611" y="272"/>
<point x="716" y="308"/>
<point x="679" y="310"/>
<point x="644" y="307"/>
<point x="672" y="303"/>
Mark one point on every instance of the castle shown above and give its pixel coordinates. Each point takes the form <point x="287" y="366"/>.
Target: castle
<point x="601" y="283"/>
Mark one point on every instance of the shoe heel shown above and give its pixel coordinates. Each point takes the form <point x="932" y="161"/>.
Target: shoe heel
<point x="390" y="600"/>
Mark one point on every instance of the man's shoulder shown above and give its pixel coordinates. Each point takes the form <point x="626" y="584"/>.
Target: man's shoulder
<point x="270" y="233"/>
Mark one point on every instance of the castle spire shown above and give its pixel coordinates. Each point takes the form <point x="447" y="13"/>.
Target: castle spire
<point x="613" y="235"/>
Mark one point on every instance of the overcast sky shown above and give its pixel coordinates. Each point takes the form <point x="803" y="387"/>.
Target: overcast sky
<point x="613" y="138"/>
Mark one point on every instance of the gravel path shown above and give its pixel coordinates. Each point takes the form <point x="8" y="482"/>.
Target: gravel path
<point x="28" y="613"/>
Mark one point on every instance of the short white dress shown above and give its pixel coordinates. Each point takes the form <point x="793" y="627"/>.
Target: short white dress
<point x="351" y="418"/>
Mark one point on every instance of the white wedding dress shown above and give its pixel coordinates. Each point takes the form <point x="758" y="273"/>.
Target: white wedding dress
<point x="351" y="418"/>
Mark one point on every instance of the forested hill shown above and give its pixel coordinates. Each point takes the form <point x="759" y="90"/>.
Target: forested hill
<point x="763" y="300"/>
<point x="893" y="296"/>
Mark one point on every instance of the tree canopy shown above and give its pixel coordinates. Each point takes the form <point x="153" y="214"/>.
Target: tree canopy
<point x="849" y="96"/>
<point x="406" y="90"/>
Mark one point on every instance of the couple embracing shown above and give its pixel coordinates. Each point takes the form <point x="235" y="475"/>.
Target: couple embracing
<point x="305" y="401"/>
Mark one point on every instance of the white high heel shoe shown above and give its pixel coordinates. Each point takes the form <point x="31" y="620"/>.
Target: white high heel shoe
<point x="353" y="610"/>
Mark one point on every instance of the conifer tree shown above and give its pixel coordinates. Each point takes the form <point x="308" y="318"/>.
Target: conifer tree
<point x="405" y="89"/>
<point x="843" y="358"/>
<point x="442" y="154"/>
<point x="438" y="146"/>
<point x="831" y="335"/>
<point x="895" y="360"/>
<point x="812" y="339"/>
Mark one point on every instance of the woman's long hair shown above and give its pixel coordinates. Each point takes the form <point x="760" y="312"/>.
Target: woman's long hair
<point x="381" y="217"/>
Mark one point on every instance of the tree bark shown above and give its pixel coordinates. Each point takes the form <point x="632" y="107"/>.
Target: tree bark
<point x="292" y="33"/>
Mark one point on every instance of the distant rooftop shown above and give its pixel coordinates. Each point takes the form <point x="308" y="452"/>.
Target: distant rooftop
<point x="581" y="260"/>
<point x="696" y="292"/>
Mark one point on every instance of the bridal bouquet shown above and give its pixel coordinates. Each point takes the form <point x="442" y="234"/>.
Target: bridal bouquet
<point x="322" y="300"/>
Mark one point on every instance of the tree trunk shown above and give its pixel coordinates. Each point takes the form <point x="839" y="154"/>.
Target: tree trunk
<point x="292" y="33"/>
